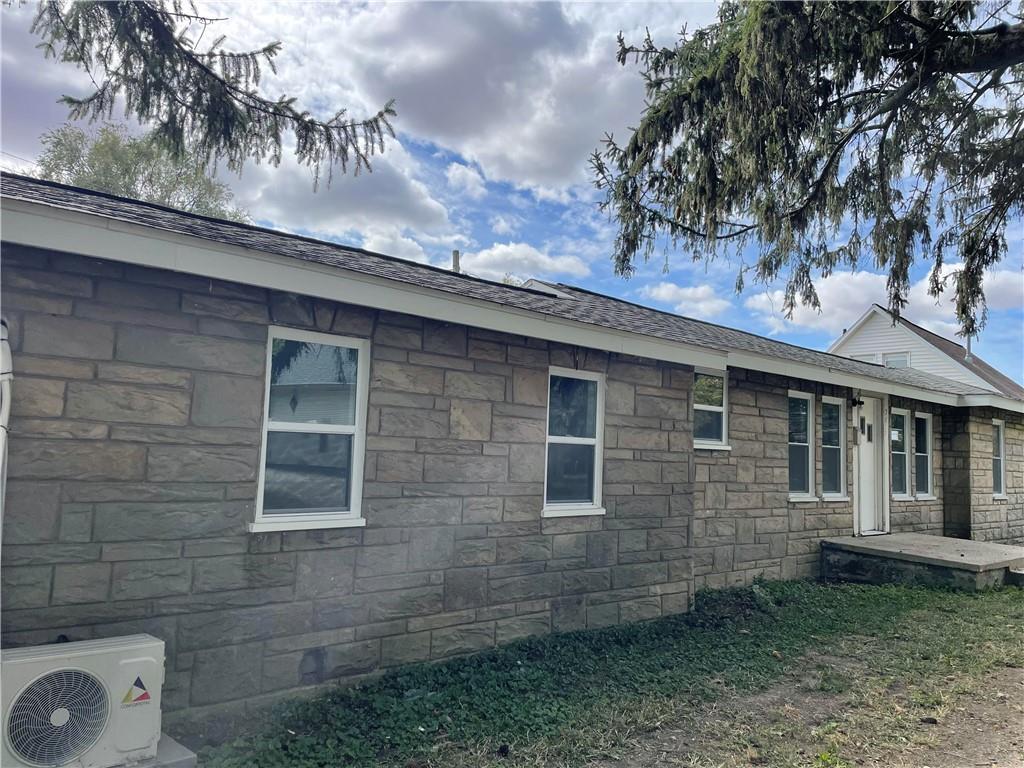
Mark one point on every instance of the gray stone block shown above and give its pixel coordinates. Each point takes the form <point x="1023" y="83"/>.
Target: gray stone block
<point x="524" y="549"/>
<point x="31" y="512"/>
<point x="474" y="386"/>
<point x="430" y="548"/>
<point x="393" y="467"/>
<point x="404" y="649"/>
<point x="120" y="402"/>
<point x="470" y="420"/>
<point x="351" y="659"/>
<point x="227" y="401"/>
<point x="186" y="350"/>
<point x="513" y="429"/>
<point x="465" y="588"/>
<point x="150" y="578"/>
<point x="169" y="520"/>
<point x="68" y="460"/>
<point x="67" y="337"/>
<point x="215" y="574"/>
<point x="402" y="377"/>
<point x="475" y="552"/>
<point x="291" y="309"/>
<point x="325" y="573"/>
<point x="226" y="674"/>
<point x="413" y="422"/>
<point x="465" y="469"/>
<point x="214" y="628"/>
<point x="36" y="397"/>
<point x="386" y="606"/>
<point x="452" y="641"/>
<point x="568" y="613"/>
<point x="382" y="560"/>
<point x="531" y="587"/>
<point x="81" y="583"/>
<point x="201" y="463"/>
<point x="143" y="374"/>
<point x="26" y="587"/>
<point x="229" y="309"/>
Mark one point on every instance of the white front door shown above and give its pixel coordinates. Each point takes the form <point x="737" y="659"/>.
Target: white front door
<point x="871" y="476"/>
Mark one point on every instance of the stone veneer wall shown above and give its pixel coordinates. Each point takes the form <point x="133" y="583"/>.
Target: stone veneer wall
<point x="133" y="459"/>
<point x="995" y="519"/>
<point x="921" y="515"/>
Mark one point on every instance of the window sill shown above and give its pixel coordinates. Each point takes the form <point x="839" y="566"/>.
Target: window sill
<point x="305" y="524"/>
<point x="559" y="510"/>
<point x="1000" y="497"/>
<point x="802" y="498"/>
<point x="926" y="497"/>
<point x="834" y="497"/>
<point x="902" y="497"/>
<point x="711" y="446"/>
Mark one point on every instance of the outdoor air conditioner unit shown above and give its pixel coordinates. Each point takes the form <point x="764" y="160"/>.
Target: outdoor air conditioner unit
<point x="90" y="704"/>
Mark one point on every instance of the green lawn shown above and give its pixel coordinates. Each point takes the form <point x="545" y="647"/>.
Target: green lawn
<point x="567" y="699"/>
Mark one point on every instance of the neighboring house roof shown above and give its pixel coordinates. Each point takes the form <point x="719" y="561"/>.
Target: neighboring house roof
<point x="973" y="365"/>
<point x="581" y="306"/>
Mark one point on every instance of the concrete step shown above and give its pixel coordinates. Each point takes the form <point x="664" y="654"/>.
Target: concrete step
<point x="1015" y="576"/>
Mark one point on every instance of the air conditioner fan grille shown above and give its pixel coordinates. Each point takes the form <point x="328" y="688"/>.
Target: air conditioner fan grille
<point x="57" y="718"/>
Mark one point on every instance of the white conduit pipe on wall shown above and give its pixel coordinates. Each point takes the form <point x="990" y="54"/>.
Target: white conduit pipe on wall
<point x="6" y="378"/>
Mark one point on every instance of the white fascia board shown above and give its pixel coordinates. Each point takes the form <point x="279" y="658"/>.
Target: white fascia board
<point x="58" y="229"/>
<point x="992" y="401"/>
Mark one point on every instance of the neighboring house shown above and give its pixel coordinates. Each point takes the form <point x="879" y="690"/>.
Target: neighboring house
<point x="877" y="338"/>
<point x="296" y="462"/>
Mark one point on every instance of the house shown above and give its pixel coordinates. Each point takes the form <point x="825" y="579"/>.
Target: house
<point x="877" y="337"/>
<point x="298" y="462"/>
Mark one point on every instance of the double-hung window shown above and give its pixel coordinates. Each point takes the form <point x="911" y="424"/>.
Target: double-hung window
<point x="998" y="454"/>
<point x="833" y="447"/>
<point x="900" y="456"/>
<point x="801" y="445"/>
<point x="923" y="454"/>
<point x="710" y="410"/>
<point x="314" y="428"/>
<point x="572" y="480"/>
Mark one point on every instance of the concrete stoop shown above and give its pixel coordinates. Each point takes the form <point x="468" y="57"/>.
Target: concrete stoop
<point x="913" y="558"/>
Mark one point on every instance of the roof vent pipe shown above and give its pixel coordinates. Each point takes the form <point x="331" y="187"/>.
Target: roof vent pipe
<point x="455" y="261"/>
<point x="968" y="358"/>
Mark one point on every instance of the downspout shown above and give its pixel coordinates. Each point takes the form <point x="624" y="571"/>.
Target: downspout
<point x="6" y="378"/>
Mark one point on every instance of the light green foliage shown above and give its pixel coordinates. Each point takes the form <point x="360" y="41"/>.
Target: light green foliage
<point x="206" y="101"/>
<point x="111" y="160"/>
<point x="824" y="133"/>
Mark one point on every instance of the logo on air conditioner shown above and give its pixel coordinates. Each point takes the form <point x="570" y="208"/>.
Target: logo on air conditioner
<point x="137" y="694"/>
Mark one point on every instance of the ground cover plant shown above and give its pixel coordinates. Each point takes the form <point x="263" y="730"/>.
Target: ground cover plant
<point x="576" y="698"/>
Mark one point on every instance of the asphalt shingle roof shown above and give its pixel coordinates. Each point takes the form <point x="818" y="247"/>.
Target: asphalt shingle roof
<point x="577" y="305"/>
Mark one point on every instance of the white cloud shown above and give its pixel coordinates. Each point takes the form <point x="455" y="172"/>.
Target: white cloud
<point x="391" y="242"/>
<point x="391" y="199"/>
<point x="505" y="223"/>
<point x="690" y="300"/>
<point x="466" y="180"/>
<point x="521" y="260"/>
<point x="845" y="296"/>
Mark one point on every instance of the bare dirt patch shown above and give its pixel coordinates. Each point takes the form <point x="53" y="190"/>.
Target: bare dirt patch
<point x="830" y="713"/>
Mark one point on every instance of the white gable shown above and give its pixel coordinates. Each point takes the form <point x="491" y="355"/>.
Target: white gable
<point x="875" y="336"/>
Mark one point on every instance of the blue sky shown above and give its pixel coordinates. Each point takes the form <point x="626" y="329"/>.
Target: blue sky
<point x="499" y="106"/>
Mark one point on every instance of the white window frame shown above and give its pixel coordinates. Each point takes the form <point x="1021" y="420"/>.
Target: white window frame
<point x="929" y="494"/>
<point x="906" y="493"/>
<point x="887" y="355"/>
<point x="572" y="509"/>
<point x="1001" y="426"/>
<point x="844" y="436"/>
<point x="300" y="521"/>
<point x="714" y="445"/>
<point x="809" y="494"/>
